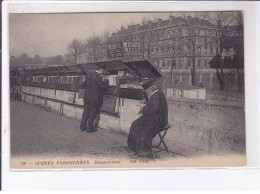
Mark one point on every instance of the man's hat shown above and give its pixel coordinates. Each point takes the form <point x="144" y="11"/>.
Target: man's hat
<point x="147" y="84"/>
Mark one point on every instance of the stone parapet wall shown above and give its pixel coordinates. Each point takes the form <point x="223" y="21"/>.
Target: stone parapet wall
<point x="195" y="127"/>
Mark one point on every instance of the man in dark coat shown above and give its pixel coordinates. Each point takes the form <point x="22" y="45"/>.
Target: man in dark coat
<point x="94" y="87"/>
<point x="154" y="118"/>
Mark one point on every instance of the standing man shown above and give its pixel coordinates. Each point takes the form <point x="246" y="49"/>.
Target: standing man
<point x="154" y="118"/>
<point x="94" y="87"/>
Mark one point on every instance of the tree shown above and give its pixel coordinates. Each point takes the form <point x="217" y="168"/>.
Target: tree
<point x="75" y="48"/>
<point x="223" y="21"/>
<point x="37" y="59"/>
<point x="57" y="60"/>
<point x="191" y="38"/>
<point x="24" y="59"/>
<point x="172" y="65"/>
<point x="94" y="48"/>
<point x="146" y="37"/>
<point x="239" y="55"/>
<point x="105" y="40"/>
<point x="14" y="61"/>
<point x="190" y="35"/>
<point x="68" y="59"/>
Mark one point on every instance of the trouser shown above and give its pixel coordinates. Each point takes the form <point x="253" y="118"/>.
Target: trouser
<point x="90" y="114"/>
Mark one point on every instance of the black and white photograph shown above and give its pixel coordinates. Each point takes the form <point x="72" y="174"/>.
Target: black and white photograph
<point x="127" y="90"/>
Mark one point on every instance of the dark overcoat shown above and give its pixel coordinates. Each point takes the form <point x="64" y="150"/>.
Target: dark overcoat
<point x="94" y="89"/>
<point x="154" y="118"/>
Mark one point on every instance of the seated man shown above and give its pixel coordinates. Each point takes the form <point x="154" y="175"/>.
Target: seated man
<point x="154" y="118"/>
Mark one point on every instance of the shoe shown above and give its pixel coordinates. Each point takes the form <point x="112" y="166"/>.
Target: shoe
<point x="82" y="129"/>
<point x="93" y="130"/>
<point x="146" y="154"/>
<point x="128" y="149"/>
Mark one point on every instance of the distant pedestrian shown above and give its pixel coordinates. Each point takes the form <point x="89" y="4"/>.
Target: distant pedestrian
<point x="94" y="87"/>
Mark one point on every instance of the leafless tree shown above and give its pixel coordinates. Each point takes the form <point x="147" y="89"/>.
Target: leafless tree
<point x="191" y="37"/>
<point x="223" y="21"/>
<point x="24" y="59"/>
<point x="104" y="39"/>
<point x="75" y="48"/>
<point x="93" y="48"/>
<point x="239" y="55"/>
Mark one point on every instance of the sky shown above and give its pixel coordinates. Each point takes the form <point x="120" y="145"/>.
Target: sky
<point x="48" y="35"/>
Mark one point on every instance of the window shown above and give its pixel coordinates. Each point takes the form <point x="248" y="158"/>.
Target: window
<point x="162" y="50"/>
<point x="70" y="80"/>
<point x="173" y="50"/>
<point x="173" y="32"/>
<point x="151" y="50"/>
<point x="163" y="64"/>
<point x="168" y="50"/>
<point x="199" y="63"/>
<point x="156" y="63"/>
<point x="174" y="64"/>
<point x="199" y="50"/>
<point x="205" y="49"/>
<point x="205" y="41"/>
<point x="65" y="79"/>
<point x="168" y="63"/>
<point x="180" y="32"/>
<point x="163" y="33"/>
<point x="206" y="63"/>
<point x="205" y="32"/>
<point x="216" y="33"/>
<point x="211" y="50"/>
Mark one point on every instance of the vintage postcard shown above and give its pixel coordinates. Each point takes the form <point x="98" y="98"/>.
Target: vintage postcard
<point x="127" y="90"/>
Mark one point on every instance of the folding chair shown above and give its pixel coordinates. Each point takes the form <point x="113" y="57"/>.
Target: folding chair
<point x="161" y="136"/>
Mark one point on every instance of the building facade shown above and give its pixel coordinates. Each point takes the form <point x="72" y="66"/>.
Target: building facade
<point x="175" y="43"/>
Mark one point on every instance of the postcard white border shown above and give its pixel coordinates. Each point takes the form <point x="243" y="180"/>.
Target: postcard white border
<point x="150" y="179"/>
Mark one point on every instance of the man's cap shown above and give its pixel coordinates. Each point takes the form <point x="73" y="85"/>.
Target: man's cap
<point x="147" y="84"/>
